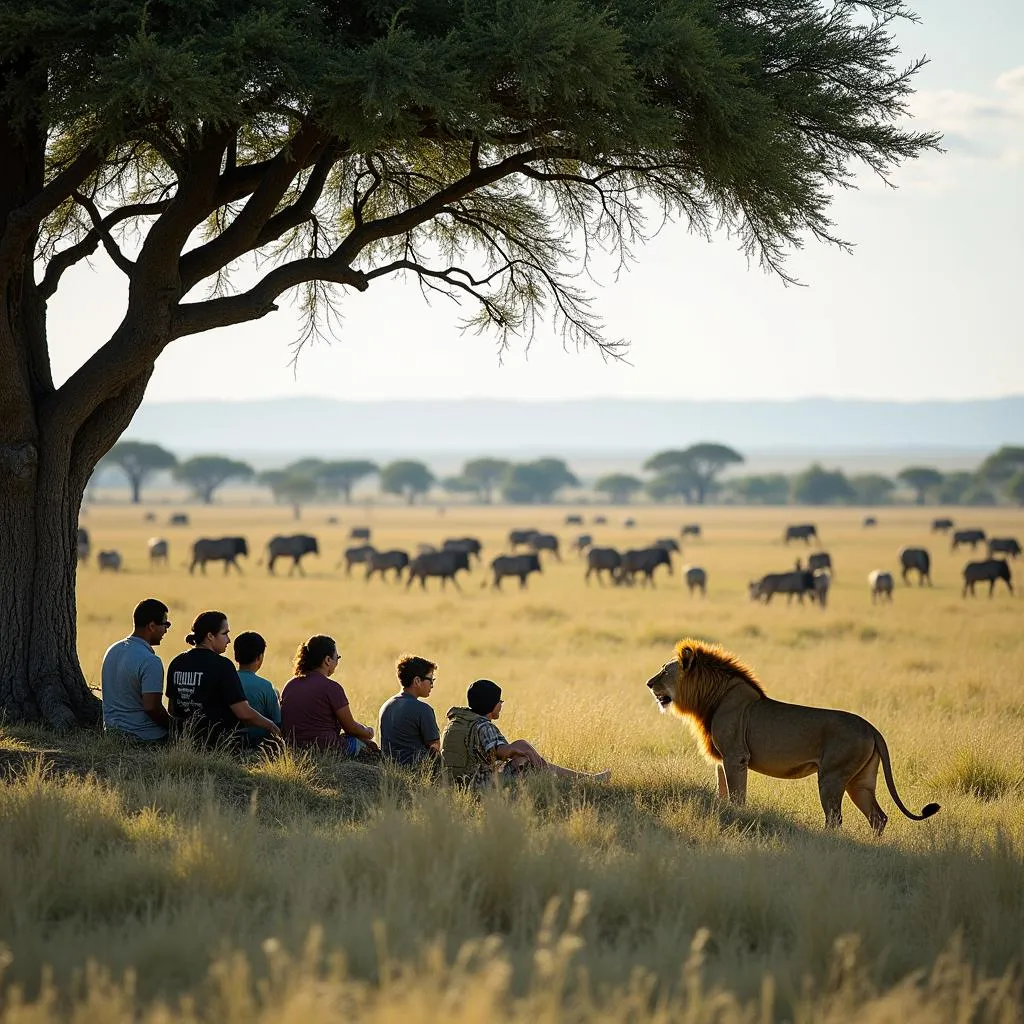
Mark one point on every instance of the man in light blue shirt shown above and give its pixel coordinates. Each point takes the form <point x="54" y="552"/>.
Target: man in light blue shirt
<point x="249" y="650"/>
<point x="133" y="677"/>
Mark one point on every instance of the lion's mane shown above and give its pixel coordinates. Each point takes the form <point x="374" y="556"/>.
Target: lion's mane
<point x="706" y="674"/>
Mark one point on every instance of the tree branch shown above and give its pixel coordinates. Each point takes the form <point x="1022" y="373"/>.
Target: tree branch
<point x="118" y="258"/>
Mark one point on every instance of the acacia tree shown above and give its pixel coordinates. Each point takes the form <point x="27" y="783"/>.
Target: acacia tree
<point x="139" y="460"/>
<point x="921" y="479"/>
<point x="537" y="481"/>
<point x="294" y="486"/>
<point x="485" y="474"/>
<point x="204" y="474"/>
<point x="331" y="145"/>
<point x="345" y="474"/>
<point x="407" y="478"/>
<point x="619" y="487"/>
<point x="703" y="461"/>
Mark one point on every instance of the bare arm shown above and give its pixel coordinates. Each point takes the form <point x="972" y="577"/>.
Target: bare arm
<point x="351" y="727"/>
<point x="246" y="713"/>
<point x="153" y="705"/>
<point x="519" y="748"/>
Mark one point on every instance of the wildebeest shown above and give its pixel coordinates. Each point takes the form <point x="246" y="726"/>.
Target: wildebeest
<point x="942" y="525"/>
<point x="293" y="547"/>
<point x="881" y="583"/>
<point x="690" y="530"/>
<point x="82" y="544"/>
<point x="545" y="542"/>
<point x="149" y="517"/>
<point x="359" y="533"/>
<point x="629" y="523"/>
<point x="573" y="520"/>
<point x="382" y="561"/>
<point x="357" y="555"/>
<point x="601" y="560"/>
<point x="109" y="560"/>
<point x="438" y="563"/>
<point x="470" y="545"/>
<point x="973" y="537"/>
<point x="801" y="531"/>
<point x="179" y="519"/>
<point x="644" y="560"/>
<point x="870" y="521"/>
<point x="821" y="581"/>
<point x="221" y="549"/>
<point x="600" y="520"/>
<point x="991" y="571"/>
<point x="332" y="520"/>
<point x="819" y="560"/>
<point x="696" y="579"/>
<point x="514" y="565"/>
<point x="582" y="542"/>
<point x="158" y="549"/>
<point x="517" y="538"/>
<point x="425" y="549"/>
<point x="795" y="582"/>
<point x="668" y="543"/>
<point x="1003" y="546"/>
<point x="917" y="559"/>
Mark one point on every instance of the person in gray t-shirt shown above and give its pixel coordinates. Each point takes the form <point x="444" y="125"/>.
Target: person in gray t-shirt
<point x="407" y="728"/>
<point x="133" y="677"/>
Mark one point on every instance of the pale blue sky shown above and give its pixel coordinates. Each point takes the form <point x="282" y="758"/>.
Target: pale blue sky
<point x="927" y="306"/>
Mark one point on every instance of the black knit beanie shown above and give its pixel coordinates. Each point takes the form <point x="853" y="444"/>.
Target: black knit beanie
<point x="483" y="696"/>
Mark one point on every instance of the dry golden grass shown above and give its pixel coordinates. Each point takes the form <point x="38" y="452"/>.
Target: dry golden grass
<point x="308" y="890"/>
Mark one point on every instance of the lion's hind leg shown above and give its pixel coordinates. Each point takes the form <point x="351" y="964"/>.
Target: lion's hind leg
<point x="861" y="789"/>
<point x="830" y="790"/>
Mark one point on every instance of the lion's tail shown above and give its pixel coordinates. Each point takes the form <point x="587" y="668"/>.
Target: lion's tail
<point x="883" y="752"/>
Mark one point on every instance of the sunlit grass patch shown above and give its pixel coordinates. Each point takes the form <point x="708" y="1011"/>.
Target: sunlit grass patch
<point x="976" y="775"/>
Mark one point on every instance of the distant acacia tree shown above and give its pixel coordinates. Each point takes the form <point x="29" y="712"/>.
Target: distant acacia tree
<point x="296" y="487"/>
<point x="139" y="460"/>
<point x="703" y="462"/>
<point x="1002" y="465"/>
<point x="764" y="489"/>
<point x="204" y="474"/>
<point x="537" y="482"/>
<point x="461" y="485"/>
<point x="954" y="486"/>
<point x="819" y="486"/>
<point x="872" y="488"/>
<point x="321" y="148"/>
<point x="407" y="478"/>
<point x="343" y="475"/>
<point x="676" y="482"/>
<point x="619" y="487"/>
<point x="979" y="495"/>
<point x="1015" y="487"/>
<point x="485" y="474"/>
<point x="921" y="479"/>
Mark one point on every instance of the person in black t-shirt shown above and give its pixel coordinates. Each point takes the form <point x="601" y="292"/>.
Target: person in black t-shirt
<point x="204" y="692"/>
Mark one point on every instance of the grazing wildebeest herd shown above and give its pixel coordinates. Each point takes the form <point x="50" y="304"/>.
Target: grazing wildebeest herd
<point x="627" y="568"/>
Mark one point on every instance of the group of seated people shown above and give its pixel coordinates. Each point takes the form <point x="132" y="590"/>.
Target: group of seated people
<point x="218" y="704"/>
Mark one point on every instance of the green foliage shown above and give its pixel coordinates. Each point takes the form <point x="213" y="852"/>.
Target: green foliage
<point x="139" y="460"/>
<point x="407" y="478"/>
<point x="678" y="482"/>
<point x="1003" y="464"/>
<point x="485" y="474"/>
<point x="979" y="495"/>
<point x="537" y="482"/>
<point x="872" y="489"/>
<point x="205" y="473"/>
<point x="701" y="463"/>
<point x="296" y="484"/>
<point x="921" y="479"/>
<point x="954" y="486"/>
<point x="343" y="475"/>
<point x="1015" y="487"/>
<point x="461" y="485"/>
<point x="763" y="489"/>
<point x="619" y="487"/>
<point x="819" y="486"/>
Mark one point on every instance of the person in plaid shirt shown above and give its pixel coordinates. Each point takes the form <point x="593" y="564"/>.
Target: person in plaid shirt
<point x="476" y="753"/>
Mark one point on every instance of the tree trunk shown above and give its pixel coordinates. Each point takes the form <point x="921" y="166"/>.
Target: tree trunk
<point x="136" y="482"/>
<point x="40" y="679"/>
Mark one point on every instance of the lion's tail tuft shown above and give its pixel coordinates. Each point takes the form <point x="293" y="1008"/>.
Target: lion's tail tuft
<point x="930" y="809"/>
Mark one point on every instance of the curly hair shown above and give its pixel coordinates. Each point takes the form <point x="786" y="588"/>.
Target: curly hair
<point x="312" y="653"/>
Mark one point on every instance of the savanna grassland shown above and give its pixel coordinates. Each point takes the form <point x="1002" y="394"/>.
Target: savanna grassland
<point x="185" y="886"/>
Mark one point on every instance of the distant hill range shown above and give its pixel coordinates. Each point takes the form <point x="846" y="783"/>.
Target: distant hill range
<point x="323" y="426"/>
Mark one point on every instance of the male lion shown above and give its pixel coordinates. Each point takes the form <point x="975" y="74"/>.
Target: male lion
<point x="741" y="727"/>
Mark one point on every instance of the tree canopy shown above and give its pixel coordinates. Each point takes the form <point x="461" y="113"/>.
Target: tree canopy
<point x="1001" y="465"/>
<point x="296" y="484"/>
<point x="922" y="479"/>
<point x="139" y="460"/>
<point x="872" y="488"/>
<point x="481" y="149"/>
<point x="619" y="487"/>
<point x="485" y="473"/>
<point x="537" y="482"/>
<point x="407" y="478"/>
<point x="343" y="475"/>
<point x="702" y="463"/>
<point x="819" y="486"/>
<point x="204" y="474"/>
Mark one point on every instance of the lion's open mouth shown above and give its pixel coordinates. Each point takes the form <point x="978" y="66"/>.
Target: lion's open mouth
<point x="663" y="699"/>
